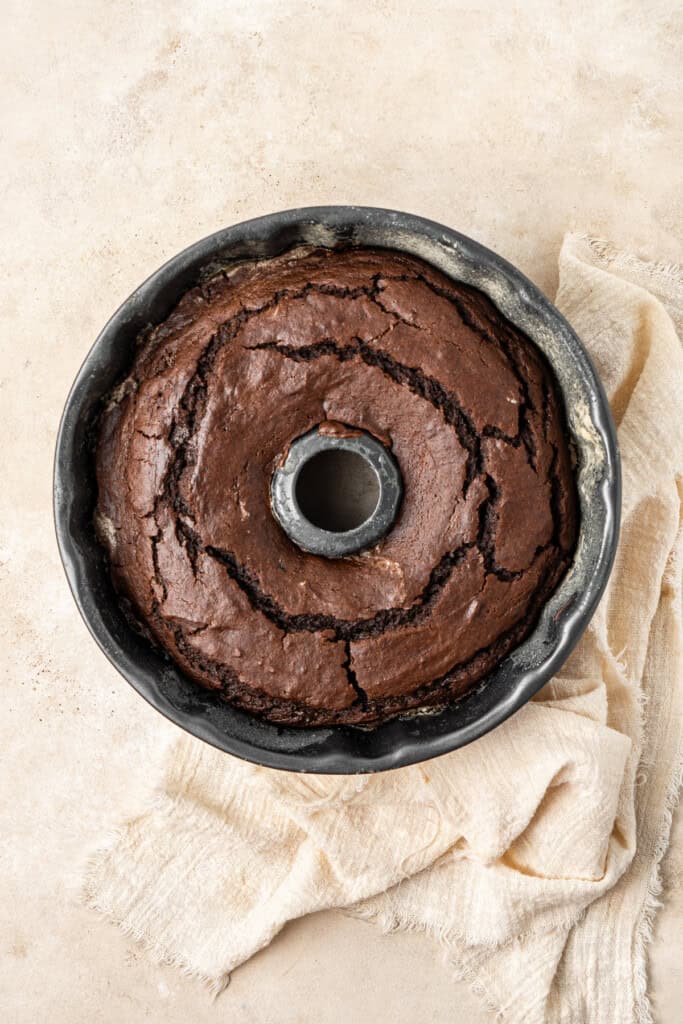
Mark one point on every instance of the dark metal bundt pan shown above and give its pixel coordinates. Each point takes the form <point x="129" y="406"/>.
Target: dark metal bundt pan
<point x="419" y="735"/>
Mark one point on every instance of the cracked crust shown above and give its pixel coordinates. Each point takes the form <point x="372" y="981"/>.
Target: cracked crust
<point x="375" y="340"/>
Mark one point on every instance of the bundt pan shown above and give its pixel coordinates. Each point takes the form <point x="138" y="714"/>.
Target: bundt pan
<point x="418" y="735"/>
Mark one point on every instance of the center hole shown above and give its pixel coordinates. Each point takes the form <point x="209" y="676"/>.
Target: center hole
<point x="337" y="490"/>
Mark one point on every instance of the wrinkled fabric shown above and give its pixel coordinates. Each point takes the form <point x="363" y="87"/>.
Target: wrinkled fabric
<point x="526" y="854"/>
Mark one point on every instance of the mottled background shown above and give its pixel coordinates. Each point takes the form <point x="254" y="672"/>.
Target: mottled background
<point x="130" y="130"/>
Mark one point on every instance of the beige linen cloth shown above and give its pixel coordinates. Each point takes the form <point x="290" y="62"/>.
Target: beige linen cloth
<point x="532" y="855"/>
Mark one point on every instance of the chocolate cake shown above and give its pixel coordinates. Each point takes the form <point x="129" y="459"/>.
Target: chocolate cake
<point x="253" y="358"/>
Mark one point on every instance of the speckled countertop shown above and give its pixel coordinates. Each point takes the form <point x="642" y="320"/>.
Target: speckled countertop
<point x="131" y="130"/>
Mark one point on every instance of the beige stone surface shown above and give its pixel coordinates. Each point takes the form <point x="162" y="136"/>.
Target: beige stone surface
<point x="128" y="131"/>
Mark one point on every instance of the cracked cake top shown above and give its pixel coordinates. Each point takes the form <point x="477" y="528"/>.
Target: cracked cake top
<point x="260" y="354"/>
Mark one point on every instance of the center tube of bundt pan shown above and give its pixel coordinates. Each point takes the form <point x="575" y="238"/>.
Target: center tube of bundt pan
<point x="337" y="491"/>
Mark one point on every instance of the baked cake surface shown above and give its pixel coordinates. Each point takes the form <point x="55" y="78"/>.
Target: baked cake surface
<point x="262" y="353"/>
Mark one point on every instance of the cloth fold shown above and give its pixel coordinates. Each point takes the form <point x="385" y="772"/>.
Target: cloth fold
<point x="525" y="854"/>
